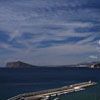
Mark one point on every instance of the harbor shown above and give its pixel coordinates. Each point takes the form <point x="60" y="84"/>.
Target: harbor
<point x="47" y="94"/>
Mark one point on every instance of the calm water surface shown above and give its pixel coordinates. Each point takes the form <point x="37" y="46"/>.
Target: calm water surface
<point x="16" y="81"/>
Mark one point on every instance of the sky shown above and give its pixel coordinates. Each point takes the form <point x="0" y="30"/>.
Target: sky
<point x="49" y="32"/>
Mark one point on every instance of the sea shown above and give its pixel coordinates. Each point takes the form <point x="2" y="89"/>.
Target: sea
<point x="20" y="80"/>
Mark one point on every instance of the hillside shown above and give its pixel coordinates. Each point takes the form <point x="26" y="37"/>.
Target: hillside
<point x="19" y="64"/>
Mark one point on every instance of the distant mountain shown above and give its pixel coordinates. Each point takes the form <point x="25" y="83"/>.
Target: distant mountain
<point x="90" y="64"/>
<point x="19" y="64"/>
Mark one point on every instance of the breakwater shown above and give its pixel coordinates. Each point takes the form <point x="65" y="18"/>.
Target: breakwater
<point x="45" y="94"/>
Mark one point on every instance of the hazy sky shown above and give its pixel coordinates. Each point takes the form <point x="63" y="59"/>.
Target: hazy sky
<point x="49" y="32"/>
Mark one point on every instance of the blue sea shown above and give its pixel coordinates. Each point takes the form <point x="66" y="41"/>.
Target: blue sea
<point x="17" y="81"/>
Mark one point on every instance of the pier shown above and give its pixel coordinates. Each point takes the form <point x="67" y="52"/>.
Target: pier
<point x="46" y="94"/>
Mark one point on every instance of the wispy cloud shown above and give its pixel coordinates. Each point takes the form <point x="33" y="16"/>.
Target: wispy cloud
<point x="58" y="27"/>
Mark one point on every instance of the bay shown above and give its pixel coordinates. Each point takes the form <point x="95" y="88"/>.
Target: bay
<point x="17" y="81"/>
